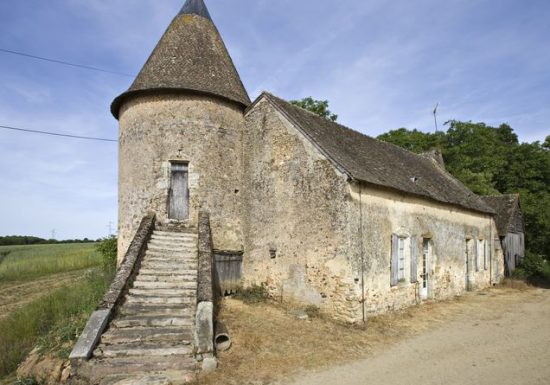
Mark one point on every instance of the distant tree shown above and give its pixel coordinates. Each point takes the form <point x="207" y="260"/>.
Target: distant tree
<point x="547" y="143"/>
<point x="319" y="107"/>
<point x="414" y="140"/>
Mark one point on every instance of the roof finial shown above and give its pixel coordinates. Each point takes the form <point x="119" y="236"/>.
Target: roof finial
<point x="195" y="7"/>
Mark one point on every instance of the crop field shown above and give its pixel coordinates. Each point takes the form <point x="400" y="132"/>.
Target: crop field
<point x="46" y="295"/>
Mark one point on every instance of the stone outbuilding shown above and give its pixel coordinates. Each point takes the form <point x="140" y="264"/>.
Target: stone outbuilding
<point x="316" y="212"/>
<point x="510" y="228"/>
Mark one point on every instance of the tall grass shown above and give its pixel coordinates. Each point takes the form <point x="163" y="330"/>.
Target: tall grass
<point x="20" y="263"/>
<point x="62" y="312"/>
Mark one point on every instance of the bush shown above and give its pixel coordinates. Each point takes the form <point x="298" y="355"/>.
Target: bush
<point x="533" y="266"/>
<point x="108" y="250"/>
<point x="253" y="294"/>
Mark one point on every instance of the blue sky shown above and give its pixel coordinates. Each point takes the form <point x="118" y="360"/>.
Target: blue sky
<point x="381" y="64"/>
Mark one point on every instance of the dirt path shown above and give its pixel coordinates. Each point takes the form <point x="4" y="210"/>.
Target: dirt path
<point x="14" y="295"/>
<point x="504" y="345"/>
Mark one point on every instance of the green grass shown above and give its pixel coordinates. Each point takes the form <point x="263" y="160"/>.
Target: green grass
<point x="52" y="322"/>
<point x="23" y="263"/>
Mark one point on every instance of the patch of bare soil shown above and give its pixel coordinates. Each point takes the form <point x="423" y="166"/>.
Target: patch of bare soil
<point x="14" y="295"/>
<point x="270" y="345"/>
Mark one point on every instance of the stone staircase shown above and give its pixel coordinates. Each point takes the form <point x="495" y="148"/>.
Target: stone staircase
<point x="150" y="340"/>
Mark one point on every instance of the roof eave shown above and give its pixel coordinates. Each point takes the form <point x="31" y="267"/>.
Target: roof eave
<point x="123" y="98"/>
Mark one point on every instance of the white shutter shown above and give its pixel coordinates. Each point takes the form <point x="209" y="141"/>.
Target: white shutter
<point x="394" y="266"/>
<point x="414" y="259"/>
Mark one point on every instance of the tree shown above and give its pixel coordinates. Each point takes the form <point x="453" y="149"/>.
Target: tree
<point x="547" y="143"/>
<point x="319" y="107"/>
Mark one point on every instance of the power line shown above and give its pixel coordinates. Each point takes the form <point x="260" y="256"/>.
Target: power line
<point x="64" y="62"/>
<point x="58" y="134"/>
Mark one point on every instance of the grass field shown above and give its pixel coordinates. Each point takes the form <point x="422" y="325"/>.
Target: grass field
<point x="23" y="263"/>
<point x="46" y="295"/>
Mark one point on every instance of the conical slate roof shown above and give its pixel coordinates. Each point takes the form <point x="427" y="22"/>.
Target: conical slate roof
<point x="190" y="57"/>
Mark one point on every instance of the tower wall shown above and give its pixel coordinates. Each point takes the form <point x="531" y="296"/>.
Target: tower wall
<point x="202" y="131"/>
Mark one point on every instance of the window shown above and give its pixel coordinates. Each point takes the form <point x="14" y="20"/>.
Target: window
<point x="398" y="265"/>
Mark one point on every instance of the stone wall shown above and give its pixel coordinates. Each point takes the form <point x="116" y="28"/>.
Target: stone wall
<point x="450" y="231"/>
<point x="295" y="219"/>
<point x="206" y="133"/>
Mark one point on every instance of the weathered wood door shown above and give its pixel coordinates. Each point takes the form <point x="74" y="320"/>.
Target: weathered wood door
<point x="179" y="192"/>
<point x="228" y="271"/>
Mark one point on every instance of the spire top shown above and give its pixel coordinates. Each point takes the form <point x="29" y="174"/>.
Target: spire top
<point x="195" y="7"/>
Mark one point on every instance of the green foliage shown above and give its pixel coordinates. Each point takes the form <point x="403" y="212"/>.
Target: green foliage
<point x="533" y="266"/>
<point x="108" y="250"/>
<point x="253" y="294"/>
<point x="312" y="311"/>
<point x="34" y="261"/>
<point x="490" y="161"/>
<point x="53" y="319"/>
<point x="26" y="381"/>
<point x="319" y="107"/>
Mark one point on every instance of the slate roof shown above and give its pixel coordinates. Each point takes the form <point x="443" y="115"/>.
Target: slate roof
<point x="379" y="163"/>
<point x="190" y="57"/>
<point x="506" y="207"/>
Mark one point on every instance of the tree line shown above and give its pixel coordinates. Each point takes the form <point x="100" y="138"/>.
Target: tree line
<point x="15" y="240"/>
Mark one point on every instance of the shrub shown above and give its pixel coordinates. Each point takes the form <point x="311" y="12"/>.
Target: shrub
<point x="533" y="266"/>
<point x="312" y="311"/>
<point x="108" y="250"/>
<point x="253" y="294"/>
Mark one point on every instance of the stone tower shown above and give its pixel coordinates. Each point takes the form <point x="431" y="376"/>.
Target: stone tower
<point x="180" y="127"/>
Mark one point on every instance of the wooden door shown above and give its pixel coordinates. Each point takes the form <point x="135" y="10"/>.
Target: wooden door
<point x="179" y="192"/>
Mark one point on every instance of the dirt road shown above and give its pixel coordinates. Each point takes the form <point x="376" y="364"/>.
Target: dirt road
<point x="488" y="345"/>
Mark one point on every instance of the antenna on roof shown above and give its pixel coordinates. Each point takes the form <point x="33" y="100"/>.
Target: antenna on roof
<point x="435" y="116"/>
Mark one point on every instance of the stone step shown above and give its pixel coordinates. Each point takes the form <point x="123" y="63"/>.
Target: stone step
<point x="168" y="265"/>
<point x="98" y="369"/>
<point x="147" y="334"/>
<point x="174" y="241"/>
<point x="169" y="300"/>
<point x="139" y="284"/>
<point x="164" y="292"/>
<point x="142" y="349"/>
<point x="160" y="311"/>
<point x="145" y="307"/>
<point x="159" y="257"/>
<point x="167" y="278"/>
<point x="173" y="235"/>
<point x="173" y="250"/>
<point x="145" y="321"/>
<point x="171" y="246"/>
<point x="173" y="272"/>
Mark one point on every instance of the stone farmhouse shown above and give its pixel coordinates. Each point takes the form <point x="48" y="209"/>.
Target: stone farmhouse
<point x="314" y="211"/>
<point x="320" y="213"/>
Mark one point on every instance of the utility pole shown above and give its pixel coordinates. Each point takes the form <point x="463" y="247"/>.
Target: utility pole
<point x="110" y="226"/>
<point x="53" y="233"/>
<point x="435" y="117"/>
